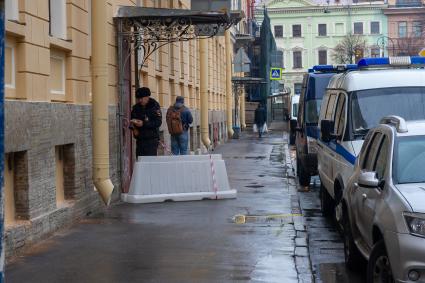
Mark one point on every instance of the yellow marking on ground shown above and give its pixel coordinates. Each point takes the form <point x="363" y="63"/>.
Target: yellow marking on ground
<point x="242" y="219"/>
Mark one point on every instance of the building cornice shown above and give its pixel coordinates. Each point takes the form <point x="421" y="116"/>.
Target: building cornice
<point x="320" y="9"/>
<point x="401" y="11"/>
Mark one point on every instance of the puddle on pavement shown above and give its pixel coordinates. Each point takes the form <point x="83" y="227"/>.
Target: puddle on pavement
<point x="243" y="219"/>
<point x="254" y="186"/>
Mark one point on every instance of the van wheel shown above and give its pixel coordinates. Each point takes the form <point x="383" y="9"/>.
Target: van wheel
<point x="326" y="202"/>
<point x="303" y="176"/>
<point x="353" y="257"/>
<point x="379" y="267"/>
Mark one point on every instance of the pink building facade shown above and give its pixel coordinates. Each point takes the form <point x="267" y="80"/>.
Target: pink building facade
<point x="406" y="27"/>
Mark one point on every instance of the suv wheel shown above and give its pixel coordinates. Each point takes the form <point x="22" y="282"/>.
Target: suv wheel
<point x="379" y="267"/>
<point x="352" y="255"/>
<point x="303" y="176"/>
<point x="326" y="202"/>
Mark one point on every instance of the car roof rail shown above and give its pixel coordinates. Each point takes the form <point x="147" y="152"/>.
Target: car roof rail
<point x="396" y="121"/>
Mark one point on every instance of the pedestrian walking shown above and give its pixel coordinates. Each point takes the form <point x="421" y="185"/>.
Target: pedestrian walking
<point x="146" y="118"/>
<point x="178" y="120"/>
<point x="260" y="119"/>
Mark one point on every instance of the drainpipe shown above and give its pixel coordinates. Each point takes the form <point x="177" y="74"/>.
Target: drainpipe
<point x="100" y="118"/>
<point x="229" y="91"/>
<point x="242" y="103"/>
<point x="204" y="92"/>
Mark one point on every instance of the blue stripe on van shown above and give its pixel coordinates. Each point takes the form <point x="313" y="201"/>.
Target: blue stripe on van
<point x="342" y="151"/>
<point x="313" y="131"/>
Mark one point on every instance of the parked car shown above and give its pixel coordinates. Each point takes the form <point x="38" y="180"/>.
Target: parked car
<point x="307" y="131"/>
<point x="354" y="102"/>
<point x="384" y="203"/>
<point x="295" y="99"/>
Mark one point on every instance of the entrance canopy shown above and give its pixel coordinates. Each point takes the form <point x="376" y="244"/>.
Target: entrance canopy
<point x="150" y="28"/>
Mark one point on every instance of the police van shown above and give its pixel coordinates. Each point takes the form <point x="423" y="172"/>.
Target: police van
<point x="307" y="131"/>
<point x="355" y="101"/>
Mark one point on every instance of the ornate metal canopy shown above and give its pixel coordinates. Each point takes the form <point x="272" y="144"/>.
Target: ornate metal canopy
<point x="148" y="29"/>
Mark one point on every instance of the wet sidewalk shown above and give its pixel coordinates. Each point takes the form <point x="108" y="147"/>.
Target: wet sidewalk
<point x="189" y="241"/>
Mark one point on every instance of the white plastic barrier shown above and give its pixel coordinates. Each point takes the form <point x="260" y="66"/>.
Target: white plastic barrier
<point x="179" y="178"/>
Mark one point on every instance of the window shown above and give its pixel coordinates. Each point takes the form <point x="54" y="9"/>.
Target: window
<point x="402" y="29"/>
<point x="375" y="28"/>
<point x="278" y="31"/>
<point x="57" y="72"/>
<point x="297" y="88"/>
<point x="323" y="57"/>
<point x="358" y="28"/>
<point x="339" y="29"/>
<point x="409" y="157"/>
<point x="340" y="116"/>
<point x="381" y="159"/>
<point x="417" y="29"/>
<point x="359" y="54"/>
<point x="297" y="60"/>
<point x="9" y="65"/>
<point x="58" y="18"/>
<point x="371" y="151"/>
<point x="322" y="30"/>
<point x="60" y="182"/>
<point x="330" y="108"/>
<point x="374" y="52"/>
<point x="12" y="10"/>
<point x="296" y="30"/>
<point x="15" y="184"/>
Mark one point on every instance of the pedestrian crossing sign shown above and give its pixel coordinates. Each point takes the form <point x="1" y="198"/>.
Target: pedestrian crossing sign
<point x="276" y="74"/>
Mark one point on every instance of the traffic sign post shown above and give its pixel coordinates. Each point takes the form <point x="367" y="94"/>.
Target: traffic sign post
<point x="275" y="74"/>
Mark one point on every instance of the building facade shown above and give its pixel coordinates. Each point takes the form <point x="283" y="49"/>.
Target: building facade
<point x="307" y="32"/>
<point x="48" y="130"/>
<point x="406" y="27"/>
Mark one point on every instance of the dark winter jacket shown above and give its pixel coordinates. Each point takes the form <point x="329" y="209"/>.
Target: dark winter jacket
<point x="152" y="119"/>
<point x="185" y="115"/>
<point x="260" y="116"/>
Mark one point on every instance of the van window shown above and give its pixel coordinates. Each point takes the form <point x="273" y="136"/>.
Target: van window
<point x="312" y="111"/>
<point x="340" y="115"/>
<point x="368" y="107"/>
<point x="330" y="108"/>
<point x="325" y="106"/>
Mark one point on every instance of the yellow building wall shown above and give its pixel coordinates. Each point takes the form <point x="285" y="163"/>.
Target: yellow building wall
<point x="33" y="47"/>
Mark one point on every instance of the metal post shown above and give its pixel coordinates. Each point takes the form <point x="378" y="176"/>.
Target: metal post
<point x="1" y="140"/>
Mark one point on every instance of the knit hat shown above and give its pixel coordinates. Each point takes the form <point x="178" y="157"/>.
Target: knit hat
<point x="180" y="99"/>
<point x="143" y="92"/>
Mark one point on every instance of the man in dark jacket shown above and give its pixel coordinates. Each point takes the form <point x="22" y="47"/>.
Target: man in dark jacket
<point x="179" y="143"/>
<point x="146" y="118"/>
<point x="260" y="118"/>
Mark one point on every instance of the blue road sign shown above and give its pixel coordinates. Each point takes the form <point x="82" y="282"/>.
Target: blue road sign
<point x="275" y="74"/>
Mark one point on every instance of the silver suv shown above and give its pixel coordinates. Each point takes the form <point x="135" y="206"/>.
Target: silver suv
<point x="384" y="203"/>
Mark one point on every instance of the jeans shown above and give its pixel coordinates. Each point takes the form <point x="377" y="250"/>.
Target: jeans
<point x="260" y="128"/>
<point x="179" y="143"/>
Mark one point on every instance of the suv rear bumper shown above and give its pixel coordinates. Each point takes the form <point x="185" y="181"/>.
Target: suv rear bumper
<point x="406" y="253"/>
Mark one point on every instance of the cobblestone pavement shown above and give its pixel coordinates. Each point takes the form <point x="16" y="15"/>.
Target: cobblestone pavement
<point x="190" y="241"/>
<point x="326" y="248"/>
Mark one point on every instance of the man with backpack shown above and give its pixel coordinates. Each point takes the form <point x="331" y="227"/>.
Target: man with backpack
<point x="179" y="119"/>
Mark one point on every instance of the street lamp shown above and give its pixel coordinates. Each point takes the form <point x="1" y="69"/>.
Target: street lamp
<point x="382" y="41"/>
